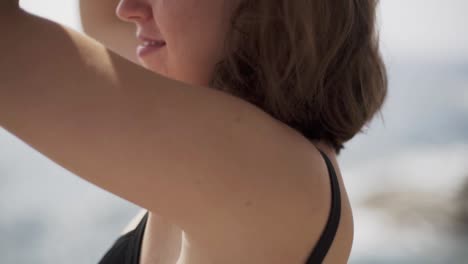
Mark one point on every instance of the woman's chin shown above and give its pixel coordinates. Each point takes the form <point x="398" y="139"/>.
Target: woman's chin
<point x="151" y="67"/>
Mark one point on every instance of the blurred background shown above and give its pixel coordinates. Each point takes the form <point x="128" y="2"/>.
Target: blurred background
<point x="407" y="175"/>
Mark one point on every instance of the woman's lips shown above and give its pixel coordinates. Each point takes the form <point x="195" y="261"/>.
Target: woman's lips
<point x="148" y="48"/>
<point x="148" y="45"/>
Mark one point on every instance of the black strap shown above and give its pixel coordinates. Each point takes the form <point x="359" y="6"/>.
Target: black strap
<point x="136" y="250"/>
<point x="328" y="235"/>
<point x="126" y="249"/>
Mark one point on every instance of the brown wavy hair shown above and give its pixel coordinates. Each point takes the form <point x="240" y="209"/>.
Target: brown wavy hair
<point x="312" y="64"/>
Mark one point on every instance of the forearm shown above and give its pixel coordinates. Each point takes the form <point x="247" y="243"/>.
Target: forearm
<point x="100" y="22"/>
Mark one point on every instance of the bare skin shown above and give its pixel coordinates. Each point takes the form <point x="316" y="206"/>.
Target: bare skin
<point x="163" y="241"/>
<point x="216" y="192"/>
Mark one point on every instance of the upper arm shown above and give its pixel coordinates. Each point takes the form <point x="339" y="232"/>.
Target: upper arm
<point x="100" y="22"/>
<point x="187" y="153"/>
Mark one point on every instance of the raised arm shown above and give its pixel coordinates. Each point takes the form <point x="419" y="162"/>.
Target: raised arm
<point x="100" y="22"/>
<point x="191" y="154"/>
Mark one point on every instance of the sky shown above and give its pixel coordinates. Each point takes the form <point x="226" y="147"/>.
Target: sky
<point x="421" y="30"/>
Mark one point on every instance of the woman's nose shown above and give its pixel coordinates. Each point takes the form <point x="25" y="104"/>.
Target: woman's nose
<point x="133" y="10"/>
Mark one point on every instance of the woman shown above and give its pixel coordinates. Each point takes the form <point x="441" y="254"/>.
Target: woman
<point x="226" y="129"/>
